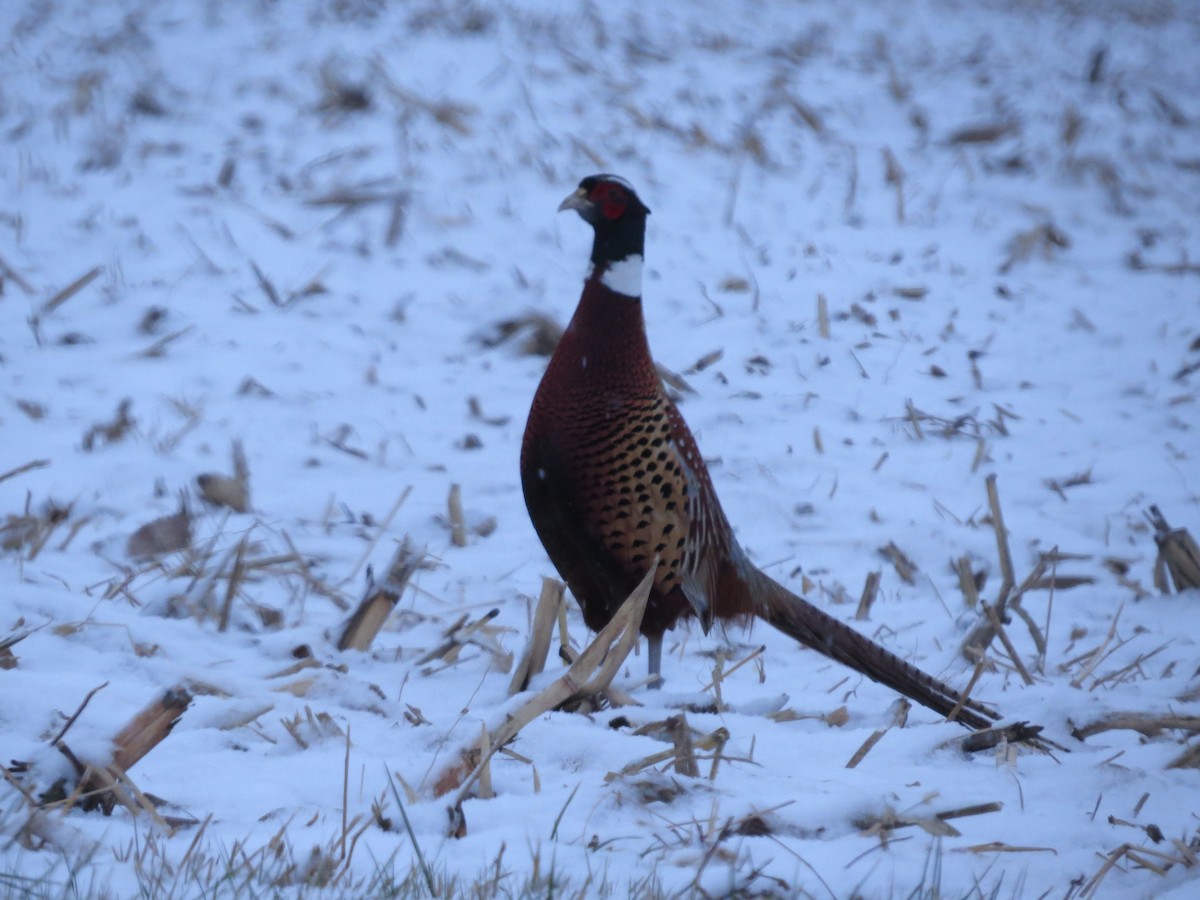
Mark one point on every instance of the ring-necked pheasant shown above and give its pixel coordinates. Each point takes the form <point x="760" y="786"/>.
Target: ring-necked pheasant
<point x="612" y="476"/>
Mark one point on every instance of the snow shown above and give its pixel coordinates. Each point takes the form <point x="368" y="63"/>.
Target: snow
<point x="1036" y="289"/>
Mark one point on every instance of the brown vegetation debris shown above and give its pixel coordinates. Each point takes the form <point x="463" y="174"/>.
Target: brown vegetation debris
<point x="58" y="299"/>
<point x="900" y="710"/>
<point x="673" y="379"/>
<point x="984" y="132"/>
<point x="232" y="491"/>
<point x="22" y="469"/>
<point x="32" y="529"/>
<point x="1060" y="485"/>
<point x="8" y="659"/>
<point x="476" y="410"/>
<point x="589" y="675"/>
<point x="1043" y="239"/>
<point x="541" y="632"/>
<point x="112" y="431"/>
<point x="1147" y="724"/>
<point x="708" y="359"/>
<point x="682" y="754"/>
<point x="106" y="784"/>
<point x="479" y="632"/>
<point x="380" y="599"/>
<point x="1188" y="759"/>
<point x="1142" y="857"/>
<point x="905" y="567"/>
<point x="338" y="95"/>
<point x="1178" y="560"/>
<point x="311" y="728"/>
<point x="539" y="334"/>
<point x="990" y="738"/>
<point x="937" y="824"/>
<point x="161" y="536"/>
<point x="1008" y="597"/>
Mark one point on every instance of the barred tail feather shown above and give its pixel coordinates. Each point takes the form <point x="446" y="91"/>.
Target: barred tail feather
<point x="797" y="618"/>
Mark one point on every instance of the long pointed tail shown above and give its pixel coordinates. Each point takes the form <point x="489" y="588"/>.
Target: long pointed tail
<point x="797" y="618"/>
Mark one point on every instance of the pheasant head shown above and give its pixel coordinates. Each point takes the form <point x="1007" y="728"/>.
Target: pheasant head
<point x="618" y="217"/>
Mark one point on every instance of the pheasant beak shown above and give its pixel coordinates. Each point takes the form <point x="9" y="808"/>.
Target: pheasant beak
<point x="578" y="201"/>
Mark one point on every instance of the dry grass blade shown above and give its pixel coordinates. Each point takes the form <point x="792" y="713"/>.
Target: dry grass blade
<point x="236" y="573"/>
<point x="914" y="416"/>
<point x="1001" y="847"/>
<point x="714" y="741"/>
<point x="1094" y="657"/>
<point x="1149" y="724"/>
<point x="395" y="225"/>
<point x="965" y="695"/>
<point x="459" y="635"/>
<point x="265" y="285"/>
<point x="610" y="647"/>
<point x="1093" y="883"/>
<point x="727" y="672"/>
<point x="1118" y="675"/>
<point x="303" y="569"/>
<point x="383" y="527"/>
<point x="899" y="717"/>
<point x="7" y="271"/>
<point x="894" y="176"/>
<point x="159" y="347"/>
<point x="533" y="661"/>
<point x="380" y="599"/>
<point x="69" y="291"/>
<point x="425" y="870"/>
<point x="28" y="467"/>
<point x="1006" y="563"/>
<point x="980" y="637"/>
<point x="998" y="629"/>
<point x="937" y="824"/>
<point x="984" y="133"/>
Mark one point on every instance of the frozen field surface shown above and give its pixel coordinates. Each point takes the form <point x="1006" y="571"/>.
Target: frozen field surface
<point x="895" y="249"/>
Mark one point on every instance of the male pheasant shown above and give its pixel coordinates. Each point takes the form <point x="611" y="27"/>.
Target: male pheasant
<point x="612" y="477"/>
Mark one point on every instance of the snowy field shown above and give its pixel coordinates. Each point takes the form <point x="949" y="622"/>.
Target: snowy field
<point x="895" y="248"/>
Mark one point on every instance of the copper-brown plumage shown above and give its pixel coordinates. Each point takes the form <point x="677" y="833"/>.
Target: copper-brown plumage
<point x="612" y="477"/>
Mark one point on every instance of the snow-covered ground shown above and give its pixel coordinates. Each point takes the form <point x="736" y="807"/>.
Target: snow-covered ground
<point x="305" y="222"/>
